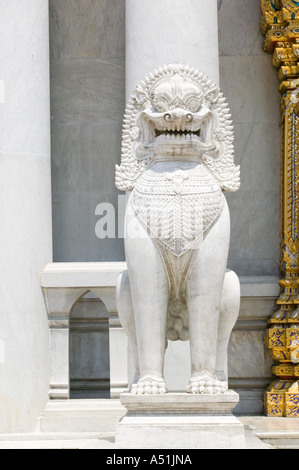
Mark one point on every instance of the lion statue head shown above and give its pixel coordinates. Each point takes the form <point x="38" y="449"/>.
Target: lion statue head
<point x="177" y="112"/>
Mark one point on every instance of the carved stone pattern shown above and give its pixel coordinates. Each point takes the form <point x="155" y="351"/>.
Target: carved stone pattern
<point x="176" y="221"/>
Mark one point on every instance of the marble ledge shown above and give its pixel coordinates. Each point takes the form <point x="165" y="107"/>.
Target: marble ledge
<point x="104" y="274"/>
<point x="259" y="286"/>
<point x="101" y="274"/>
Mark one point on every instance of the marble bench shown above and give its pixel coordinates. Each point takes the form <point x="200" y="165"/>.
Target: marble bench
<point x="63" y="284"/>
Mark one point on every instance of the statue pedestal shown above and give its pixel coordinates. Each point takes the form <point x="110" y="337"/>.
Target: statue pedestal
<point x="179" y="421"/>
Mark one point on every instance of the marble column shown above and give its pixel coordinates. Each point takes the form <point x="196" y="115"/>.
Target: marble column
<point x="161" y="32"/>
<point x="25" y="211"/>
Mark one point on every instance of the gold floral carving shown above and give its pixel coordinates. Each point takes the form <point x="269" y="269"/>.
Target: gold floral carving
<point x="280" y="26"/>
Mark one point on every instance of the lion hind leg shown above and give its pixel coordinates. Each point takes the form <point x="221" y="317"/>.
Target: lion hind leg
<point x="126" y="316"/>
<point x="229" y="311"/>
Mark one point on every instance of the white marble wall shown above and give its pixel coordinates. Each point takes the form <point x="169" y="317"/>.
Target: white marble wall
<point x="25" y="211"/>
<point x="251" y="87"/>
<point x="87" y="40"/>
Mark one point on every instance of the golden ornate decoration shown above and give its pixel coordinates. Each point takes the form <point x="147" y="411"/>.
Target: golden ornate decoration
<point x="280" y="26"/>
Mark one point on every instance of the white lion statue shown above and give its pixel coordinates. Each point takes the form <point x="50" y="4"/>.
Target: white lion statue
<point x="177" y="159"/>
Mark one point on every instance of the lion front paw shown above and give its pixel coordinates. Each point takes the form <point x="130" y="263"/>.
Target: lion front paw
<point x="149" y="385"/>
<point x="207" y="383"/>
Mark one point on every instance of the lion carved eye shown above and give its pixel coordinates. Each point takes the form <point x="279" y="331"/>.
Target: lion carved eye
<point x="192" y="101"/>
<point x="194" y="106"/>
<point x="160" y="106"/>
<point x="161" y="102"/>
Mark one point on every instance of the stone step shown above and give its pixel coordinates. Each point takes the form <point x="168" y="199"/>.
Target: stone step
<point x="58" y="441"/>
<point x="50" y="436"/>
<point x="81" y="416"/>
<point x="280" y="440"/>
<point x="91" y="424"/>
<point x="276" y="432"/>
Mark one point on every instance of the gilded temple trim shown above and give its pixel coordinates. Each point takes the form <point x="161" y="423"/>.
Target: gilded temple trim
<point x="280" y="26"/>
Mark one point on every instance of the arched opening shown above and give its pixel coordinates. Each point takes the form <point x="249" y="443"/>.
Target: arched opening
<point x="89" y="348"/>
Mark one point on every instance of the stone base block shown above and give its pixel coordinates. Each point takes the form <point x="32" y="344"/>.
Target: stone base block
<point x="179" y="421"/>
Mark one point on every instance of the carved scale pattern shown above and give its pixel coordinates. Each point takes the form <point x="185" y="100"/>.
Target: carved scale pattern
<point x="177" y="222"/>
<point x="177" y="217"/>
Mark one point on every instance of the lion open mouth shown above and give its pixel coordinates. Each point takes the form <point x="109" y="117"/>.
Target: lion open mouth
<point x="177" y="134"/>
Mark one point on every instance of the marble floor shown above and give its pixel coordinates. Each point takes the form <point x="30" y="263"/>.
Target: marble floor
<point x="278" y="433"/>
<point x="260" y="433"/>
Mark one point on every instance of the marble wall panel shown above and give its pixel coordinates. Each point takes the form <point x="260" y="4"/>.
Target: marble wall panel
<point x="76" y="240"/>
<point x="254" y="244"/>
<point x="87" y="45"/>
<point x="257" y="146"/>
<point x="84" y="157"/>
<point x="239" y="32"/>
<point x="250" y="85"/>
<point x="87" y="29"/>
<point x="87" y="90"/>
